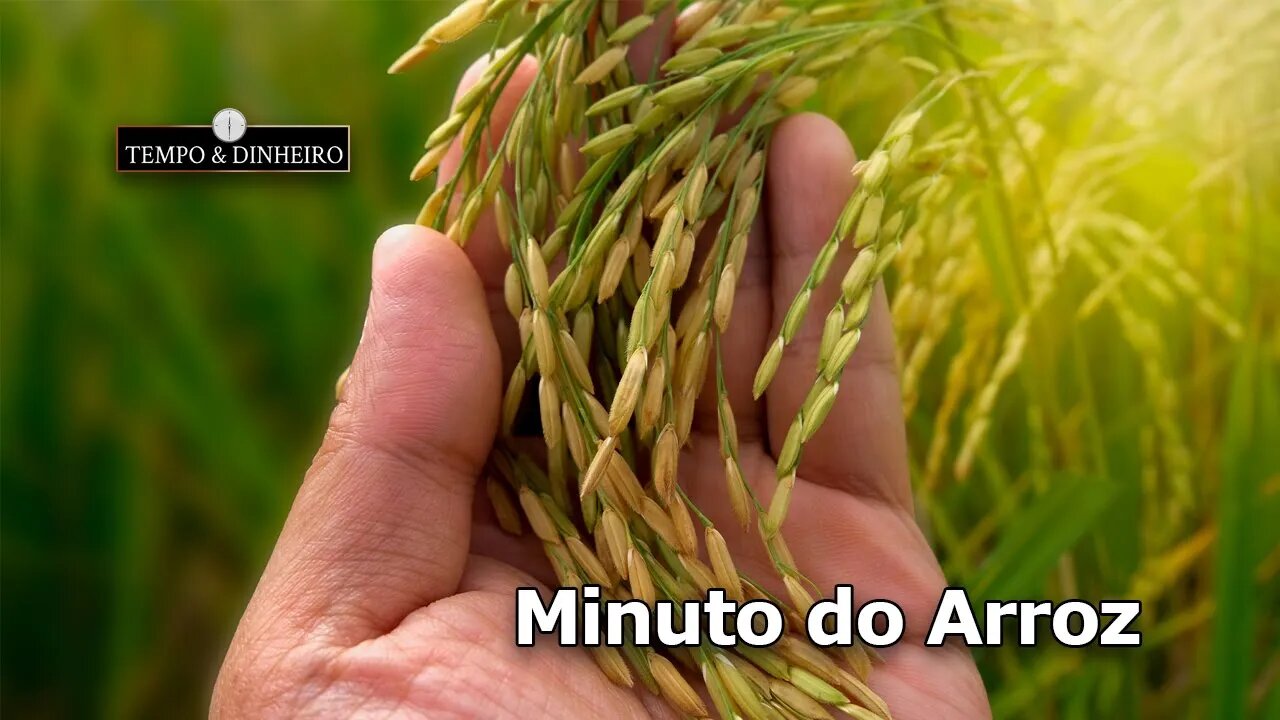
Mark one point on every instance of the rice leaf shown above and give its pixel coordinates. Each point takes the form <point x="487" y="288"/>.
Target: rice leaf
<point x="1034" y="539"/>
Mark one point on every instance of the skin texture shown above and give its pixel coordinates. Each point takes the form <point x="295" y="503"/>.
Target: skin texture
<point x="391" y="591"/>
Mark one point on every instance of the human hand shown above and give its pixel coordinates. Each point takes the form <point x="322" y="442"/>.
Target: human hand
<point x="391" y="592"/>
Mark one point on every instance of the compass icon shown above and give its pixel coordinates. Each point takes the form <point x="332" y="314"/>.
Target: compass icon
<point x="229" y="125"/>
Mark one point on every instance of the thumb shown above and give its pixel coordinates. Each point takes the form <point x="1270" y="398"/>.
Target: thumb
<point x="381" y="525"/>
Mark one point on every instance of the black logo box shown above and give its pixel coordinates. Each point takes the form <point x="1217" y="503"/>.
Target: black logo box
<point x="194" y="148"/>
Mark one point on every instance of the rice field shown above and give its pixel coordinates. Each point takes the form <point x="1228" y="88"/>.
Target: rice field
<point x="1089" y="332"/>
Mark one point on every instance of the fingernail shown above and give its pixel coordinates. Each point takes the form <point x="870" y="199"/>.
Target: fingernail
<point x="392" y="245"/>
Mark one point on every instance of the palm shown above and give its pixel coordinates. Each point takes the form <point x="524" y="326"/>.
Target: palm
<point x="457" y="654"/>
<point x="457" y="658"/>
<point x="837" y="537"/>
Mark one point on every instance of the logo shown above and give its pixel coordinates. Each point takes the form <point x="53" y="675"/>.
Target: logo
<point x="229" y="125"/>
<point x="233" y="146"/>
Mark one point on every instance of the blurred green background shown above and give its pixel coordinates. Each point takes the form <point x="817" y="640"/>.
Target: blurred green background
<point x="170" y="345"/>
<point x="170" y="342"/>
